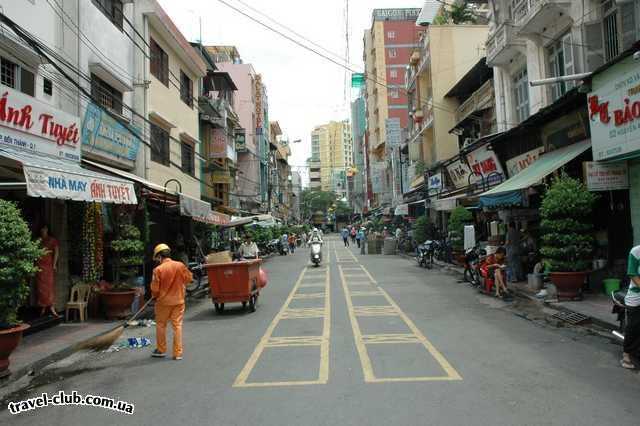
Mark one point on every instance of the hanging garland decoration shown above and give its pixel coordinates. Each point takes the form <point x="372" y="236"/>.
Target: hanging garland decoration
<point x="92" y="244"/>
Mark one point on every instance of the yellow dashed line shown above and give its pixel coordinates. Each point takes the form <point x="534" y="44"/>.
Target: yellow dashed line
<point x="392" y="309"/>
<point x="268" y="341"/>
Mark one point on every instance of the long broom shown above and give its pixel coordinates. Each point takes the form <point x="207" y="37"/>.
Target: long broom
<point x="105" y="340"/>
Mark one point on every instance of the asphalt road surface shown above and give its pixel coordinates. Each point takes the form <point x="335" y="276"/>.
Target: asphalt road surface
<point x="360" y="340"/>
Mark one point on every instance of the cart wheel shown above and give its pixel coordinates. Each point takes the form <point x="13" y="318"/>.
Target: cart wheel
<point x="252" y="304"/>
<point x="219" y="307"/>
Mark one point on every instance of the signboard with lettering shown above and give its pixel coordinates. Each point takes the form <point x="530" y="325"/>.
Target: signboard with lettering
<point x="218" y="143"/>
<point x="614" y="110"/>
<point x="241" y="140"/>
<point x="48" y="183"/>
<point x="435" y="183"/>
<point x="521" y="162"/>
<point x="258" y="102"/>
<point x="393" y="132"/>
<point x="406" y="14"/>
<point x="606" y="176"/>
<point x="484" y="163"/>
<point x="459" y="173"/>
<point x="108" y="137"/>
<point x="22" y="117"/>
<point x="221" y="176"/>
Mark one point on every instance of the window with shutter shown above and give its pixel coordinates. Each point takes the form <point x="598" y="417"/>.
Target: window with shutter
<point x="159" y="145"/>
<point x="595" y="49"/>
<point x="628" y="17"/>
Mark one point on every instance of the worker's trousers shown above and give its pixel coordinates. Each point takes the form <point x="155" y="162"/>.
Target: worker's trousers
<point x="164" y="314"/>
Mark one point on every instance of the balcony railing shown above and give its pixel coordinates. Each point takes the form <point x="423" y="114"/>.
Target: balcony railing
<point x="532" y="16"/>
<point x="522" y="8"/>
<point x="479" y="100"/>
<point x="502" y="45"/>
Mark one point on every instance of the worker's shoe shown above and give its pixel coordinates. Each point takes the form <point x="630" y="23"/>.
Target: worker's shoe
<point x="177" y="358"/>
<point x="157" y="354"/>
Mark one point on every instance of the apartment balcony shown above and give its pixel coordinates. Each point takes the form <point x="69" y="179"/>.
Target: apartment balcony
<point x="422" y="120"/>
<point x="503" y="45"/>
<point x="532" y="16"/>
<point x="479" y="100"/>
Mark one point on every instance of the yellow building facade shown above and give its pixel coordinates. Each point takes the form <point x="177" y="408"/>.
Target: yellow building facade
<point x="336" y="154"/>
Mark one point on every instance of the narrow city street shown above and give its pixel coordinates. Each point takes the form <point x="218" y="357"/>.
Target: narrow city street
<point x="369" y="340"/>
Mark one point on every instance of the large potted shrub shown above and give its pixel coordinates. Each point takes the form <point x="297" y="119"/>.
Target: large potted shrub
<point x="18" y="257"/>
<point x="128" y="251"/>
<point x="567" y="240"/>
<point x="458" y="219"/>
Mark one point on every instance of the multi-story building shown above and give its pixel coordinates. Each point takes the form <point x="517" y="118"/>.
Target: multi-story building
<point x="219" y="125"/>
<point x="357" y="195"/>
<point x="248" y="176"/>
<point x="335" y="148"/>
<point x="296" y="192"/>
<point x="387" y="48"/>
<point x="532" y="40"/>
<point x="263" y="140"/>
<point x="313" y="163"/>
<point x="446" y="53"/>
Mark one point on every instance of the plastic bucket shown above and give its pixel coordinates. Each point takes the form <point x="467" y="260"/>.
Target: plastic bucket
<point x="611" y="285"/>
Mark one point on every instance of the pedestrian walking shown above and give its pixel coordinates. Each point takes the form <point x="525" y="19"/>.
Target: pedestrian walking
<point x="363" y="239"/>
<point x="345" y="236"/>
<point x="46" y="278"/>
<point x="631" y="346"/>
<point x="168" y="284"/>
<point x="353" y="233"/>
<point x="292" y="243"/>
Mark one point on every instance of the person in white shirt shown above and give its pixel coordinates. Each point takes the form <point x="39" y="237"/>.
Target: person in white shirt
<point x="249" y="249"/>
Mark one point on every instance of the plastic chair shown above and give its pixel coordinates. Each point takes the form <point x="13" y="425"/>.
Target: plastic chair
<point x="78" y="300"/>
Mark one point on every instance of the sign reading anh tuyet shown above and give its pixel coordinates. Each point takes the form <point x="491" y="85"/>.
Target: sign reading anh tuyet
<point x="614" y="110"/>
<point x="57" y="132"/>
<point x="606" y="176"/>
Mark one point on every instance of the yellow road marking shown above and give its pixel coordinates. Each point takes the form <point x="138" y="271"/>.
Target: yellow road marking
<point x="415" y="337"/>
<point x="268" y="341"/>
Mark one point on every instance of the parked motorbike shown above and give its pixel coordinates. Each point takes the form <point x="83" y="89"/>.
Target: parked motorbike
<point x="316" y="253"/>
<point x="474" y="257"/>
<point x="619" y="308"/>
<point x="426" y="254"/>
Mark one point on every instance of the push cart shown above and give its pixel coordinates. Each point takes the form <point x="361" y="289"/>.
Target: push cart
<point x="234" y="282"/>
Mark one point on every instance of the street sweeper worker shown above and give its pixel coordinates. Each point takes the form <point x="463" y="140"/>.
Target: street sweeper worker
<point x="168" y="287"/>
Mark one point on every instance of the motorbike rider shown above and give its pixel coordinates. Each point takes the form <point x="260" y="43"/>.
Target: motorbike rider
<point x="315" y="236"/>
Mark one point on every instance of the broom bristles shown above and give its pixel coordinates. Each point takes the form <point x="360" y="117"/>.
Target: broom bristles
<point x="103" y="341"/>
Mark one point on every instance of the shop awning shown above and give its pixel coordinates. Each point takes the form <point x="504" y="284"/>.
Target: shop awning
<point x="127" y="175"/>
<point x="545" y="165"/>
<point x="50" y="177"/>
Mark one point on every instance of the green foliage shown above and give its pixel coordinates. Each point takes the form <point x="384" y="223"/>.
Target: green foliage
<point x="129" y="252"/>
<point x="457" y="13"/>
<point x="420" y="227"/>
<point x="343" y="209"/>
<point x="18" y="257"/>
<point x="567" y="240"/>
<point x="314" y="200"/>
<point x="458" y="219"/>
<point x="420" y="168"/>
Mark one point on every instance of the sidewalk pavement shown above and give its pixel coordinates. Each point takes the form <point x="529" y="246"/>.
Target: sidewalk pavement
<point x="596" y="306"/>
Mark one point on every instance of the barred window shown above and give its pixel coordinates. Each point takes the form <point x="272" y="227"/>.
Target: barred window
<point x="159" y="145"/>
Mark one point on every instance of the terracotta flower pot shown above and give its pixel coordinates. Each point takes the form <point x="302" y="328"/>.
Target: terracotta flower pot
<point x="569" y="284"/>
<point x="9" y="340"/>
<point x="117" y="304"/>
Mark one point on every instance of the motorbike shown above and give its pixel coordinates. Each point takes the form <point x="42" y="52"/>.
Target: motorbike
<point x="619" y="308"/>
<point x="277" y="246"/>
<point x="200" y="279"/>
<point x="316" y="253"/>
<point x="426" y="254"/>
<point x="473" y="259"/>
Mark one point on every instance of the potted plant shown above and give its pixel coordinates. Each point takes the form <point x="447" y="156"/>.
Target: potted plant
<point x="128" y="251"/>
<point x="458" y="219"/>
<point x="18" y="257"/>
<point x="567" y="240"/>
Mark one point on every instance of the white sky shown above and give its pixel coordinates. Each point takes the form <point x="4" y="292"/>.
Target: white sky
<point x="304" y="89"/>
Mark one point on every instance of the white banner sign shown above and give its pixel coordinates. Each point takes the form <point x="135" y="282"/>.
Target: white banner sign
<point x="521" y="162"/>
<point x="606" y="176"/>
<point x="435" y="183"/>
<point x="459" y="173"/>
<point x="484" y="162"/>
<point x="402" y="210"/>
<point x="22" y="117"/>
<point x="78" y="187"/>
<point x="614" y="110"/>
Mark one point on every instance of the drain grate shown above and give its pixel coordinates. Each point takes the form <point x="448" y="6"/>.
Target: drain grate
<point x="570" y="317"/>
